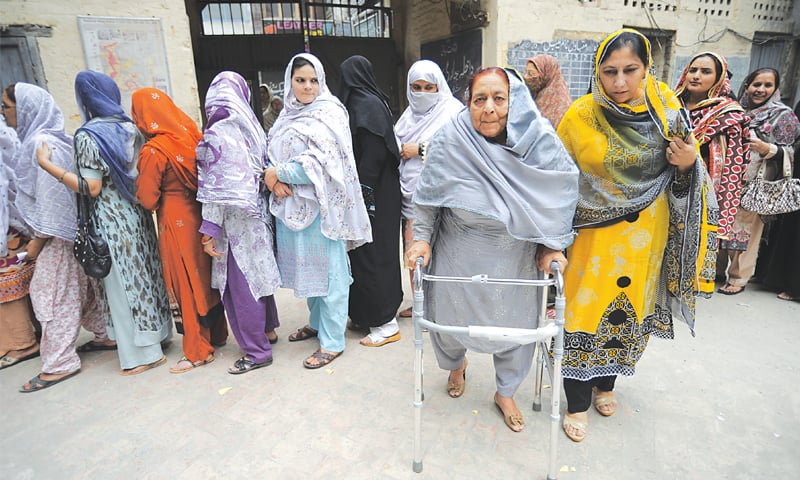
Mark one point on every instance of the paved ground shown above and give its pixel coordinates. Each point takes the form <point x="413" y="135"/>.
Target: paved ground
<point x="718" y="406"/>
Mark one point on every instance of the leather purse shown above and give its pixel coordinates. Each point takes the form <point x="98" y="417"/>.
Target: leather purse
<point x="772" y="197"/>
<point x="90" y="248"/>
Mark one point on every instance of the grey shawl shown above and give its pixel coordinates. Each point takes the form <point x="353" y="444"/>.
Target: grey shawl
<point x="530" y="184"/>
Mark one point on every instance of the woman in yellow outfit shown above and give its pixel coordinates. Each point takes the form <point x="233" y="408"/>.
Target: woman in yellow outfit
<point x="646" y="243"/>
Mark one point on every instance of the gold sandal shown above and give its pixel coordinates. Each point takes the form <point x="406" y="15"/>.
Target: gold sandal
<point x="577" y="425"/>
<point x="192" y="365"/>
<point x="604" y="402"/>
<point x="454" y="389"/>
<point x="514" y="421"/>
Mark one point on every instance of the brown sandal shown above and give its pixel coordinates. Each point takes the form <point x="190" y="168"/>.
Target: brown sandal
<point x="303" y="334"/>
<point x="143" y="368"/>
<point x="322" y="359"/>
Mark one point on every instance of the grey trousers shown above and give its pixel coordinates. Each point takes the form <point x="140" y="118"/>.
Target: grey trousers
<point x="510" y="367"/>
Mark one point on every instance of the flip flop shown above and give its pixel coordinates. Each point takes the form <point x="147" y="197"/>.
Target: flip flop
<point x="244" y="365"/>
<point x="785" y="296"/>
<point x="303" y="334"/>
<point x="143" y="368"/>
<point x="38" y="383"/>
<point x="727" y="292"/>
<point x="322" y="359"/>
<point x="93" y="346"/>
<point x="6" y="361"/>
<point x="192" y="365"/>
<point x="405" y="313"/>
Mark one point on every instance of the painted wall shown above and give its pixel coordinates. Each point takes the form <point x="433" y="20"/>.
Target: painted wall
<point x="517" y="28"/>
<point x="63" y="56"/>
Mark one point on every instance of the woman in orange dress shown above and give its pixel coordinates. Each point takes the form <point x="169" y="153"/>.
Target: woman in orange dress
<point x="167" y="183"/>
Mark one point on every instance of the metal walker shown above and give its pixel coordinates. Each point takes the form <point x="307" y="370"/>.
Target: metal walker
<point x="541" y="335"/>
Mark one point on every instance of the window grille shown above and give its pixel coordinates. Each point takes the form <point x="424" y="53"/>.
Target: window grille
<point x="321" y="18"/>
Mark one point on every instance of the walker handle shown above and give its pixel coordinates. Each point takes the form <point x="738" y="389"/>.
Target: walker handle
<point x="418" y="273"/>
<point x="555" y="268"/>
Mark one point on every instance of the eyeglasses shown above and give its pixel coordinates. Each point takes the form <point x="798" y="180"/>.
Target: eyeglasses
<point x="5" y="107"/>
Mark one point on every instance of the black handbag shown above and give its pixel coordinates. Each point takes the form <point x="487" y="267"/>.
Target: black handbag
<point x="90" y="247"/>
<point x="774" y="197"/>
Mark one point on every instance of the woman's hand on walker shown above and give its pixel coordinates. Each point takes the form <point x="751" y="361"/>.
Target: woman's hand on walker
<point x="545" y="256"/>
<point x="419" y="248"/>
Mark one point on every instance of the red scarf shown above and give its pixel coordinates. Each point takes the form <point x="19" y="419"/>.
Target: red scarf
<point x="169" y="130"/>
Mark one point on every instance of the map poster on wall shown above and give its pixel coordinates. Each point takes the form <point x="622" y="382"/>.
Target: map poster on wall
<point x="129" y="50"/>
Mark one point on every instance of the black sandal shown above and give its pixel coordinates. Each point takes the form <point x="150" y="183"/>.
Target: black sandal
<point x="303" y="334"/>
<point x="723" y="290"/>
<point x="244" y="365"/>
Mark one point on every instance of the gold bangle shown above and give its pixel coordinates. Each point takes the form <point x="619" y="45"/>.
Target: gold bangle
<point x="61" y="178"/>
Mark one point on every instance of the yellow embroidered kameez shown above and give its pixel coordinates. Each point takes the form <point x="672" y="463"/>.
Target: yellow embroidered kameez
<point x="646" y="240"/>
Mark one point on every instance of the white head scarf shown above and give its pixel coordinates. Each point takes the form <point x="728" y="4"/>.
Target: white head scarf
<point x="46" y="206"/>
<point x="426" y="113"/>
<point x="9" y="143"/>
<point x="327" y="159"/>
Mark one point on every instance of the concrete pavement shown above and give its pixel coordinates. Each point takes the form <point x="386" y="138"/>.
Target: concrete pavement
<point x="718" y="406"/>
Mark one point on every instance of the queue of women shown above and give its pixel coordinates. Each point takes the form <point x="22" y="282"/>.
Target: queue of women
<point x="630" y="195"/>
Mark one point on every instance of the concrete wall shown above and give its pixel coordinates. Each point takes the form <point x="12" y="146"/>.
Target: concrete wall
<point x="516" y="27"/>
<point x="63" y="56"/>
<point x="540" y="20"/>
<point x="425" y="21"/>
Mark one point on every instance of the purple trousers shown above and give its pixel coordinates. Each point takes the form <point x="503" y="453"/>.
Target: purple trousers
<point x="249" y="318"/>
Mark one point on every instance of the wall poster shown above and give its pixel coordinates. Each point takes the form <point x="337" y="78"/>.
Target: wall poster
<point x="129" y="50"/>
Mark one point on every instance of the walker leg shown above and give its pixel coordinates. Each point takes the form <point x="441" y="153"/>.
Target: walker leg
<point x="419" y="396"/>
<point x="418" y="402"/>
<point x="555" y="380"/>
<point x="537" y="388"/>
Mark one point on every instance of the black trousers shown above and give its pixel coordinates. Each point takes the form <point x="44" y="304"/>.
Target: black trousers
<point x="579" y="392"/>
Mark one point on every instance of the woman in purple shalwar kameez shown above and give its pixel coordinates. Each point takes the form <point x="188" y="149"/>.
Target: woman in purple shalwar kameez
<point x="237" y="228"/>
